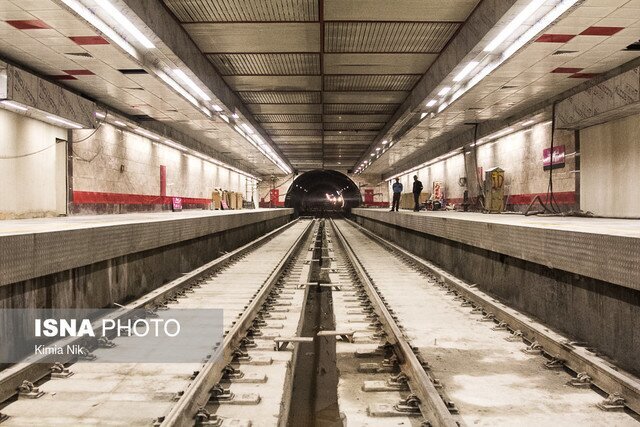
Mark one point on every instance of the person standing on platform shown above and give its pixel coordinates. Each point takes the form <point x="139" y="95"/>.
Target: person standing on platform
<point x="417" y="189"/>
<point x="397" y="193"/>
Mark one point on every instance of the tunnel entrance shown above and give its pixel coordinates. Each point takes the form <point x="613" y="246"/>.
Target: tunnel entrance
<point x="322" y="193"/>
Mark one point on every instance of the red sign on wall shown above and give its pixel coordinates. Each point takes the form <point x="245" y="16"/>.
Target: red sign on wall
<point x="553" y="160"/>
<point x="176" y="204"/>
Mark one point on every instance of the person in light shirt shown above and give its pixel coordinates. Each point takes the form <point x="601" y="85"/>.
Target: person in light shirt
<point x="397" y="192"/>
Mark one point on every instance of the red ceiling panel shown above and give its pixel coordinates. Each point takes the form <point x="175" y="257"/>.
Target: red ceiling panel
<point x="566" y="70"/>
<point x="555" y="38"/>
<point x="79" y="72"/>
<point x="601" y="31"/>
<point x="89" y="40"/>
<point x="28" y="24"/>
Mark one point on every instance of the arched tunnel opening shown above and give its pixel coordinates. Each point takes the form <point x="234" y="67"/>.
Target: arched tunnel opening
<point x="322" y="192"/>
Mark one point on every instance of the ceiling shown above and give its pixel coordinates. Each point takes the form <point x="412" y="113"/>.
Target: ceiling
<point x="322" y="76"/>
<point x="593" y="38"/>
<point x="325" y="80"/>
<point x="43" y="36"/>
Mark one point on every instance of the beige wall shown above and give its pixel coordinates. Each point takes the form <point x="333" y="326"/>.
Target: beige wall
<point x="97" y="161"/>
<point x="32" y="185"/>
<point x="610" y="168"/>
<point x="519" y="154"/>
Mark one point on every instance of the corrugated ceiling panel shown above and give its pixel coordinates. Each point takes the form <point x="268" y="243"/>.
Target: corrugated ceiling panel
<point x="280" y="97"/>
<point x="280" y="64"/>
<point x="295" y="132"/>
<point x="422" y="37"/>
<point x="398" y="82"/>
<point x="288" y="118"/>
<point x="353" y="126"/>
<point x="243" y="10"/>
<point x="360" y="108"/>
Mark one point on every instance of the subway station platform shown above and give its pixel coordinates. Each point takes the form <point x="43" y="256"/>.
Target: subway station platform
<point x="600" y="248"/>
<point x="31" y="248"/>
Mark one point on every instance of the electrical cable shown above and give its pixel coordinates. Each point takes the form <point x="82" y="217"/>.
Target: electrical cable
<point x="20" y="156"/>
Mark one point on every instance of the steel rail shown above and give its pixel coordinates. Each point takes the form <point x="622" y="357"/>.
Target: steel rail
<point x="199" y="391"/>
<point x="431" y="404"/>
<point x="36" y="368"/>
<point x="603" y="375"/>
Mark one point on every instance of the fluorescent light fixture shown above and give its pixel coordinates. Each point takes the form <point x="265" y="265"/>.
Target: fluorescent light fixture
<point x="442" y="107"/>
<point x="14" y="105"/>
<point x="554" y="14"/>
<point x="125" y="23"/>
<point x="235" y="116"/>
<point x="457" y="95"/>
<point x="431" y="103"/>
<point x="65" y="122"/>
<point x="168" y="80"/>
<point x="225" y="118"/>
<point x="147" y="134"/>
<point x="525" y="14"/>
<point x="100" y="115"/>
<point x="88" y="16"/>
<point x="423" y="115"/>
<point x="181" y="74"/>
<point x="206" y="111"/>
<point x="217" y="108"/>
<point x="247" y="128"/>
<point x="527" y="123"/>
<point x="385" y="142"/>
<point x="174" y="145"/>
<point x="445" y="90"/>
<point x="560" y="8"/>
<point x="377" y="148"/>
<point x="119" y="123"/>
<point x="501" y="133"/>
<point x="465" y="71"/>
<point x="372" y="154"/>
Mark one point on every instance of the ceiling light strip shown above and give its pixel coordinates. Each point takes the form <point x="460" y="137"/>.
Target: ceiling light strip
<point x="527" y="36"/>
<point x="105" y="29"/>
<point x="124" y="22"/>
<point x="512" y="26"/>
<point x="148" y="134"/>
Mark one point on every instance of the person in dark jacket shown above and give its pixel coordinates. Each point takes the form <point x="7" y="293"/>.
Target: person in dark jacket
<point x="417" y="189"/>
<point x="397" y="192"/>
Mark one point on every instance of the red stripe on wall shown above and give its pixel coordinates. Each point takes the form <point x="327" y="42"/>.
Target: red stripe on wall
<point x="562" y="198"/>
<point x="86" y="197"/>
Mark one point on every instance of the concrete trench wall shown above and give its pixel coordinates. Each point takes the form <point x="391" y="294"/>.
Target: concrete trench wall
<point x="127" y="277"/>
<point x="584" y="309"/>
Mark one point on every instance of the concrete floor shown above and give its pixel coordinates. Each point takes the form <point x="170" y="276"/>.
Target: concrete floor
<point x="78" y="222"/>
<point x="607" y="226"/>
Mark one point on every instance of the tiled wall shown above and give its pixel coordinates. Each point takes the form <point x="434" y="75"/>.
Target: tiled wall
<point x="113" y="161"/>
<point x="32" y="167"/>
<point x="519" y="154"/>
<point x="610" y="168"/>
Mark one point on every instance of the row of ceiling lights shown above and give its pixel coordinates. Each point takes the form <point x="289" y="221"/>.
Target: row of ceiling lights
<point x="121" y="123"/>
<point x="185" y="86"/>
<point x="40" y="115"/>
<point x="131" y="127"/>
<point x="441" y="102"/>
<point x="524" y="126"/>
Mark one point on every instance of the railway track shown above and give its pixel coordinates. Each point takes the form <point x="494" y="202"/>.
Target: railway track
<point x="166" y="394"/>
<point x="328" y="325"/>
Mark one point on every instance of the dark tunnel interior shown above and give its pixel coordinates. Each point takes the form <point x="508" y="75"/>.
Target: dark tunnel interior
<point x="320" y="192"/>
